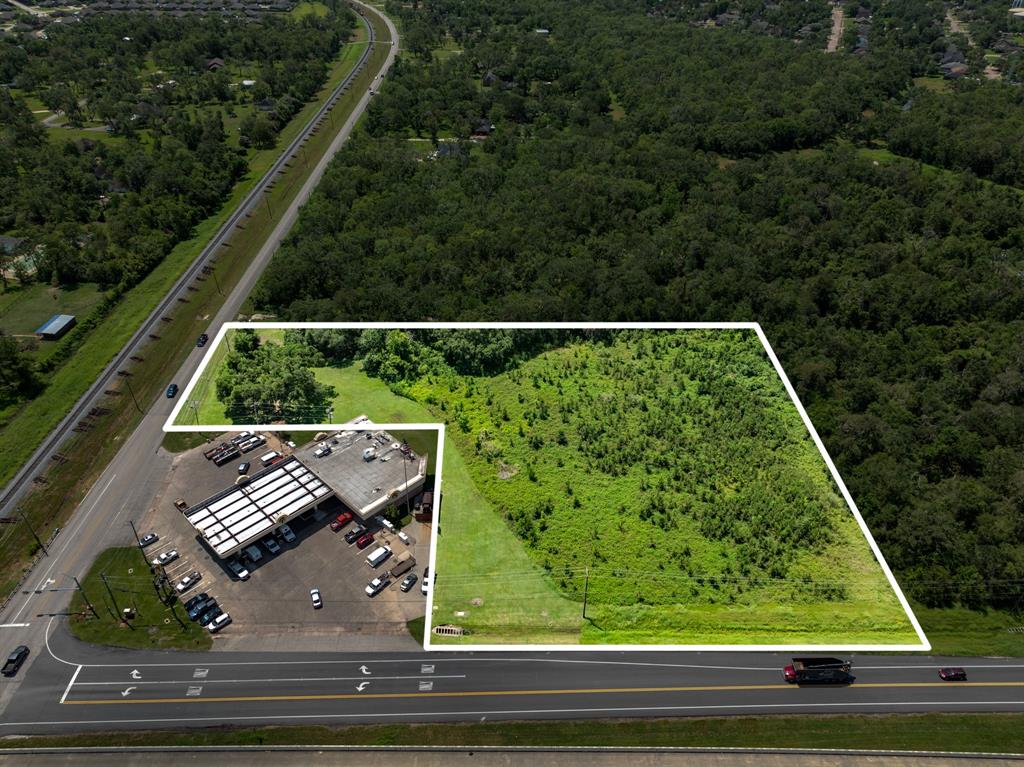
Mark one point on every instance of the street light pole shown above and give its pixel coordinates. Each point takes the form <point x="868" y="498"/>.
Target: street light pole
<point x="31" y="530"/>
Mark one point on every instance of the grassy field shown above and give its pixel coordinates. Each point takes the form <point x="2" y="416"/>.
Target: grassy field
<point x="121" y="578"/>
<point x="23" y="308"/>
<point x="968" y="632"/>
<point x="86" y="453"/>
<point x="989" y="733"/>
<point x="730" y="532"/>
<point x="310" y="9"/>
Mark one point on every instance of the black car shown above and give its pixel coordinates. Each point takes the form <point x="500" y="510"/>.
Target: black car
<point x="15" y="660"/>
<point x="147" y="539"/>
<point x="172" y="390"/>
<point x="193" y="601"/>
<point x="201" y="341"/>
<point x="356" y="533"/>
<point x="408" y="582"/>
<point x="209" y="615"/>
<point x="201" y="608"/>
<point x="953" y="674"/>
<point x="243" y="467"/>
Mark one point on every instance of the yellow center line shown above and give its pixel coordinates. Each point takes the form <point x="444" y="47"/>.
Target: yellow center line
<point x="492" y="693"/>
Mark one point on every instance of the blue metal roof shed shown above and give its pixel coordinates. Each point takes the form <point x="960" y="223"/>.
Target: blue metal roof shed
<point x="56" y="326"/>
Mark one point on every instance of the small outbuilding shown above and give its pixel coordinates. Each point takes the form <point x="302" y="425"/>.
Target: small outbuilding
<point x="56" y="327"/>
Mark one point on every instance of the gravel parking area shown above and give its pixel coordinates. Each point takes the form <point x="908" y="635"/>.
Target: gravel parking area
<point x="272" y="609"/>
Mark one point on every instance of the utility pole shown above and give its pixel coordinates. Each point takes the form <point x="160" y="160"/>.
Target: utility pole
<point x="110" y="593"/>
<point x="137" y="539"/>
<point x="129" y="385"/>
<point x="25" y="520"/>
<point x="87" y="602"/>
<point x="586" y="590"/>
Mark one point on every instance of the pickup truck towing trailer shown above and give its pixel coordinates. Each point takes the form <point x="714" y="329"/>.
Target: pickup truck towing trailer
<point x="818" y="671"/>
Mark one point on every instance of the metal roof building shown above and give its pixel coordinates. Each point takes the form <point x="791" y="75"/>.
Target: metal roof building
<point x="56" y="326"/>
<point x="234" y="518"/>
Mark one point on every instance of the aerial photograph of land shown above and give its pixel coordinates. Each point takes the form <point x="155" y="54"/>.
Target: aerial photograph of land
<point x="601" y="487"/>
<point x="596" y="376"/>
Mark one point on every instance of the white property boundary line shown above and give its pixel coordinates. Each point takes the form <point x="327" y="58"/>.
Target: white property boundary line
<point x="170" y="426"/>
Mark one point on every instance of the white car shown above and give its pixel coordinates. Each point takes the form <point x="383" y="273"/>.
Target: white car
<point x="218" y="623"/>
<point x="377" y="585"/>
<point x="286" y="533"/>
<point x="314" y="594"/>
<point x="189" y="581"/>
<point x="425" y="583"/>
<point x="166" y="558"/>
<point x="404" y="538"/>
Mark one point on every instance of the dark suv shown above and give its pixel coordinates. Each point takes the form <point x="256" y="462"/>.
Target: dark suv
<point x="15" y="660"/>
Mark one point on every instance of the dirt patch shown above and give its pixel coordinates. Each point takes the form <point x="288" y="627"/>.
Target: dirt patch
<point x="507" y="470"/>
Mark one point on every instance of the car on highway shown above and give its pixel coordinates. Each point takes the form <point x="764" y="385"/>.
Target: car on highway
<point x="425" y="586"/>
<point x="238" y="569"/>
<point x="189" y="581"/>
<point x="364" y="540"/>
<point x="286" y="532"/>
<point x="243" y="467"/>
<point x="200" y="608"/>
<point x="271" y="545"/>
<point x="15" y="660"/>
<point x="194" y="600"/>
<point x="218" y="623"/>
<point x="355" y="534"/>
<point x="341" y="520"/>
<point x="314" y="595"/>
<point x="408" y="582"/>
<point x="377" y="585"/>
<point x="201" y="341"/>
<point x="172" y="390"/>
<point x="148" y="539"/>
<point x="166" y="558"/>
<point x="953" y="674"/>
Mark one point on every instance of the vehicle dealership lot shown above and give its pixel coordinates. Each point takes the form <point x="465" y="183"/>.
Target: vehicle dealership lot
<point x="272" y="608"/>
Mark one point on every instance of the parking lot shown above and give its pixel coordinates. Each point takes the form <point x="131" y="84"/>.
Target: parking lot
<point x="272" y="609"/>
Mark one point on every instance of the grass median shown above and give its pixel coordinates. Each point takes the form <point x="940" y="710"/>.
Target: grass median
<point x="990" y="733"/>
<point x="121" y="578"/>
<point x="82" y="457"/>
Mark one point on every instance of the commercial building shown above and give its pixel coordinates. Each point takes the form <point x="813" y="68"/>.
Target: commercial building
<point x="56" y="327"/>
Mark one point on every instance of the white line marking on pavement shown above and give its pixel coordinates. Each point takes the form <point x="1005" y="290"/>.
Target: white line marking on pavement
<point x="66" y="542"/>
<point x="14" y="625"/>
<point x="70" y="684"/>
<point x="292" y="679"/>
<point x="519" y="712"/>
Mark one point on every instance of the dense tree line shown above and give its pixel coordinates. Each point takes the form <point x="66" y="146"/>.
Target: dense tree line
<point x="891" y="292"/>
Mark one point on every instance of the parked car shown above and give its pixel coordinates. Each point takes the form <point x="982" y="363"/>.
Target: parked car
<point x="189" y="581"/>
<point x="15" y="660"/>
<point x="200" y="608"/>
<point x="404" y="538"/>
<point x="201" y="341"/>
<point x="408" y="582"/>
<point x="314" y="594"/>
<point x="286" y="532"/>
<point x="172" y="390"/>
<point x="238" y="569"/>
<point x="166" y="558"/>
<point x="355" y="534"/>
<point x="148" y="539"/>
<point x="363" y="541"/>
<point x="377" y="585"/>
<point x="425" y="586"/>
<point x="194" y="600"/>
<point x="243" y="467"/>
<point x="271" y="545"/>
<point x="218" y="623"/>
<point x="341" y="520"/>
<point x="211" y="613"/>
<point x="953" y="674"/>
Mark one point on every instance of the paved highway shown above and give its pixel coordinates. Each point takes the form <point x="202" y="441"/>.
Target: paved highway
<point x="74" y="687"/>
<point x="22" y="481"/>
<point x="123" y="490"/>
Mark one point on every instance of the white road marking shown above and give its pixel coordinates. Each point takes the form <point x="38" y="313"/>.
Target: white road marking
<point x="70" y="684"/>
<point x="518" y="712"/>
<point x="55" y="558"/>
<point x="426" y="668"/>
<point x="269" y="681"/>
<point x="426" y="685"/>
<point x="14" y="625"/>
<point x="194" y="690"/>
<point x="200" y="673"/>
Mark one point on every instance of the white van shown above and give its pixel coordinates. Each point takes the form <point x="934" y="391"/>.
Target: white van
<point x="268" y="457"/>
<point x="369" y="454"/>
<point x="378" y="555"/>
